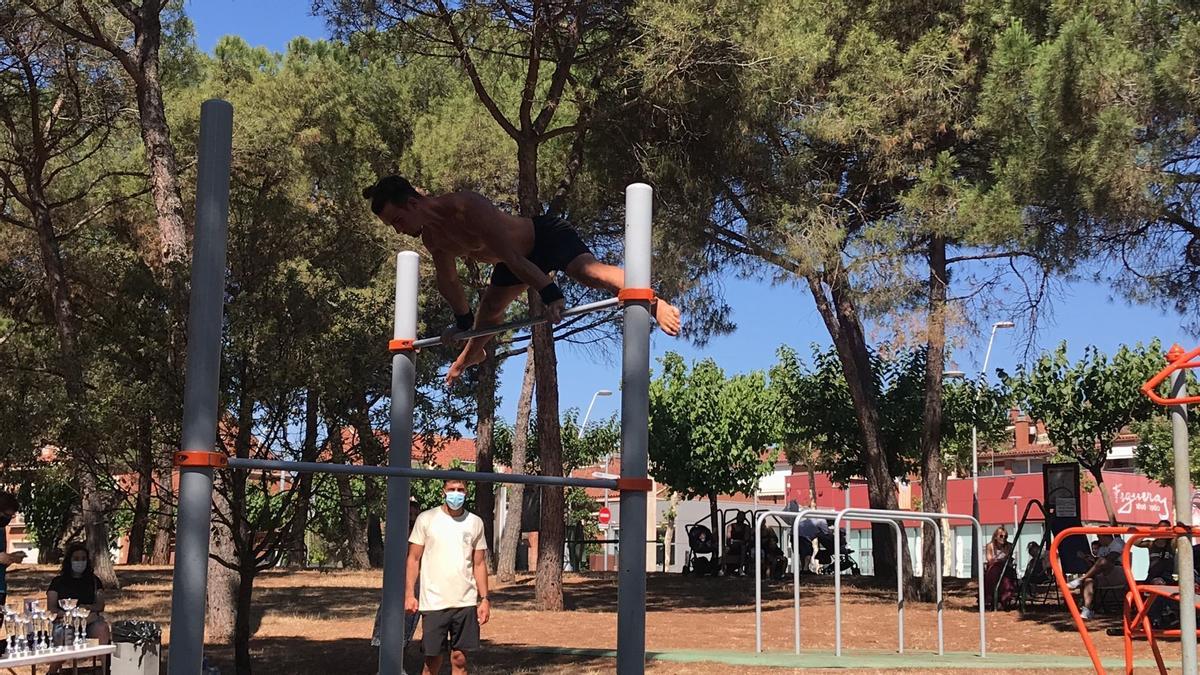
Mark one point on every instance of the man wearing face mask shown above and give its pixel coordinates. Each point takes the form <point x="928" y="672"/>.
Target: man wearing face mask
<point x="448" y="552"/>
<point x="8" y="508"/>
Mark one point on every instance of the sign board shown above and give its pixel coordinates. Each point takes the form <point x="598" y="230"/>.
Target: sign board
<point x="604" y="516"/>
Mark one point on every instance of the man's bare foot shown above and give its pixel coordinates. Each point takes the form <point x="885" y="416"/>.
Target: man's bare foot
<point x="469" y="357"/>
<point x="667" y="316"/>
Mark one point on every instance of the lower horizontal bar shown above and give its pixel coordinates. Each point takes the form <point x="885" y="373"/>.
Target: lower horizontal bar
<point x="367" y="470"/>
<point x="590" y="307"/>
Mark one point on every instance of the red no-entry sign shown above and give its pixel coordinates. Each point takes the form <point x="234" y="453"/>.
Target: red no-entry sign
<point x="604" y="515"/>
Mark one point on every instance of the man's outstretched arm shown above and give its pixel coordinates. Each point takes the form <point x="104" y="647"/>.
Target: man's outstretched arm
<point x="449" y="284"/>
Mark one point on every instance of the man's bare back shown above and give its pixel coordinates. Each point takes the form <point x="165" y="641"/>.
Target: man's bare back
<point x="463" y="223"/>
<point x="523" y="252"/>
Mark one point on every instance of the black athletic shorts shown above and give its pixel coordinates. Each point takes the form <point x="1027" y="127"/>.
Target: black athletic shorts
<point x="555" y="245"/>
<point x="454" y="629"/>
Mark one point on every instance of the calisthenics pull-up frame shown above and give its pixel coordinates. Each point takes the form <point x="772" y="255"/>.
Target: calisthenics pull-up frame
<point x="198" y="457"/>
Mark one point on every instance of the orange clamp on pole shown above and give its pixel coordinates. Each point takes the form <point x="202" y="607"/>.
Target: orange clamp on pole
<point x="1177" y="360"/>
<point x="634" y="294"/>
<point x="635" y="484"/>
<point x="201" y="458"/>
<point x="403" y="345"/>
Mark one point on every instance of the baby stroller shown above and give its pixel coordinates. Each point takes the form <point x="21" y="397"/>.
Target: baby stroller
<point x="701" y="556"/>
<point x="825" y="557"/>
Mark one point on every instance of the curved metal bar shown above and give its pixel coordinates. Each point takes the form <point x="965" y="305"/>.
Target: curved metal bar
<point x="798" y="516"/>
<point x="1133" y="533"/>
<point x="932" y="522"/>
<point x="837" y="575"/>
<point x="609" y="303"/>
<point x="912" y="515"/>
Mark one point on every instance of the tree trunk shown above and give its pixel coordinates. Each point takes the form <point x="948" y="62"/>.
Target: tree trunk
<point x="370" y="449"/>
<point x="1097" y="471"/>
<point x="164" y="524"/>
<point x="141" y="504"/>
<point x="222" y="582"/>
<point x="933" y="476"/>
<point x="78" y="432"/>
<point x="156" y="138"/>
<point x="485" y="421"/>
<point x="812" y="477"/>
<point x="374" y="539"/>
<point x="668" y="534"/>
<point x="356" y="556"/>
<point x="242" y="630"/>
<point x="297" y="548"/>
<point x="840" y="315"/>
<point x="718" y="531"/>
<point x="511" y="537"/>
<point x="551" y="529"/>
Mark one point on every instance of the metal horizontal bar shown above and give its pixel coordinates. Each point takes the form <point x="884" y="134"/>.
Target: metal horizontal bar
<point x="588" y="308"/>
<point x="366" y="470"/>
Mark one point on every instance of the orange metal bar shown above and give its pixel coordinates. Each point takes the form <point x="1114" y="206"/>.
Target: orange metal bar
<point x="1069" y="596"/>
<point x="401" y="345"/>
<point x="203" y="458"/>
<point x="635" y="484"/>
<point x="1133" y="597"/>
<point x="628" y="294"/>
<point x="1178" y="360"/>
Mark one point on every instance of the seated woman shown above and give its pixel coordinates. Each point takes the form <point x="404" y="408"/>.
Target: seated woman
<point x="999" y="581"/>
<point x="79" y="582"/>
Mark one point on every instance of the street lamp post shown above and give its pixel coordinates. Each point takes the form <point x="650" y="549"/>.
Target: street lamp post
<point x="607" y="456"/>
<point x="975" y="445"/>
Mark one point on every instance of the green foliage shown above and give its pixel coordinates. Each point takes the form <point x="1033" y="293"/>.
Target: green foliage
<point x="1087" y="403"/>
<point x="816" y="420"/>
<point x="601" y="438"/>
<point x="1156" y="451"/>
<point x="709" y="434"/>
<point x="48" y="499"/>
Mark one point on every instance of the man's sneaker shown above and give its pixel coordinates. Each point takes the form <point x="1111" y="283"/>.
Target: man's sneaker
<point x="1075" y="584"/>
<point x="1086" y="613"/>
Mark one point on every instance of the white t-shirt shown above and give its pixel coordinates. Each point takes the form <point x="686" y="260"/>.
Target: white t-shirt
<point x="448" y="561"/>
<point x="1116" y="546"/>
<point x="809" y="528"/>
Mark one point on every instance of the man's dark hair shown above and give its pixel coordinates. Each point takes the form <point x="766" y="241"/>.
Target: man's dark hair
<point x="9" y="501"/>
<point x="456" y="479"/>
<point x="393" y="189"/>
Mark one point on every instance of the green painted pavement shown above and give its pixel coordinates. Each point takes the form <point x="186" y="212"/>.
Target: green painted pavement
<point x="862" y="659"/>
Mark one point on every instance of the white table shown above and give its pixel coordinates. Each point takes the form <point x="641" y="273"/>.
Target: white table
<point x="71" y="656"/>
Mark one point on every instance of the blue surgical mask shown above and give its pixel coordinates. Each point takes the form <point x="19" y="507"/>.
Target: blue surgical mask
<point x="455" y="500"/>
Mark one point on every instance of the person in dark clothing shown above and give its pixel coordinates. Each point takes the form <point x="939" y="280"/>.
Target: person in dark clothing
<point x="8" y="508"/>
<point x="78" y="581"/>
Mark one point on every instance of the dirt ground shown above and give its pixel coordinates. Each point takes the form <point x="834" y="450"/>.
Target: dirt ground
<point x="312" y="622"/>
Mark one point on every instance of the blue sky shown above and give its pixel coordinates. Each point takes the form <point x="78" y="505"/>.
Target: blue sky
<point x="1083" y="313"/>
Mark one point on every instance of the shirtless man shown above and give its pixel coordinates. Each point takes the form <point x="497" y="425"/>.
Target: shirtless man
<point x="523" y="252"/>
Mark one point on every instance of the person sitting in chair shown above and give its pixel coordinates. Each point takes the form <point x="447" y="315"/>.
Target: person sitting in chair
<point x="78" y="582"/>
<point x="1105" y="572"/>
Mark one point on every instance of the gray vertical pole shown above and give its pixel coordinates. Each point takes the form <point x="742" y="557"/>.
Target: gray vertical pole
<point x="395" y="542"/>
<point x="635" y="436"/>
<point x="1183" y="516"/>
<point x="205" y="318"/>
